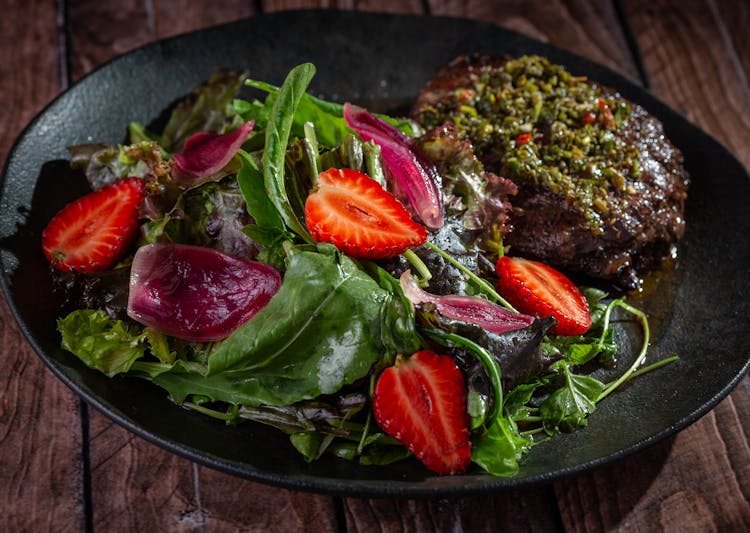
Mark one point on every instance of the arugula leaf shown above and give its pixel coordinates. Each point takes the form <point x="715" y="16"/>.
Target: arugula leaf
<point x="568" y="407"/>
<point x="598" y="341"/>
<point x="515" y="404"/>
<point x="501" y="448"/>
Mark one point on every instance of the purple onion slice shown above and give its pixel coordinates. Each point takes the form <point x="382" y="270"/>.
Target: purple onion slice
<point x="471" y="309"/>
<point x="195" y="293"/>
<point x="414" y="176"/>
<point x="205" y="154"/>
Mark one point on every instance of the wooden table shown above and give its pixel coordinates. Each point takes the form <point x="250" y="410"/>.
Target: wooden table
<point x="64" y="467"/>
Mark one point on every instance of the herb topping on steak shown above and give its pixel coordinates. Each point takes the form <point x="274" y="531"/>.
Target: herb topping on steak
<point x="601" y="191"/>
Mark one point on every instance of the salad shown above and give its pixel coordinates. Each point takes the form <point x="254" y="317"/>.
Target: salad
<point x="334" y="273"/>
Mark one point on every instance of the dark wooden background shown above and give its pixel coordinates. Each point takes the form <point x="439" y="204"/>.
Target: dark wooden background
<point x="64" y="467"/>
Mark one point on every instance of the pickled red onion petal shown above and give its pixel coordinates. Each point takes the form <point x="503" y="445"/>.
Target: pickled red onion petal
<point x="205" y="154"/>
<point x="195" y="293"/>
<point x="471" y="309"/>
<point x="415" y="176"/>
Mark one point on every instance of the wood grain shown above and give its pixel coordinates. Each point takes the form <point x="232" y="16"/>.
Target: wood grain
<point x="40" y="439"/>
<point x="137" y="486"/>
<point x="590" y="29"/>
<point x="101" y="30"/>
<point x="517" y="510"/>
<point x="675" y="482"/>
<point x="689" y="41"/>
<point x="385" y="6"/>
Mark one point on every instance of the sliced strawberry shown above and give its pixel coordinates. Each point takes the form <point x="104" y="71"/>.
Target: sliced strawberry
<point x="353" y="212"/>
<point x="538" y="289"/>
<point x="92" y="232"/>
<point x="421" y="402"/>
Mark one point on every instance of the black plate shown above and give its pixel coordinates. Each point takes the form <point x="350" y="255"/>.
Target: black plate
<point x="700" y="310"/>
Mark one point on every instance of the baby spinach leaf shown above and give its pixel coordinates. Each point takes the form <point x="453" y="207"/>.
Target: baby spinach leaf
<point x="321" y="331"/>
<point x="278" y="130"/>
<point x="330" y="126"/>
<point x="268" y="226"/>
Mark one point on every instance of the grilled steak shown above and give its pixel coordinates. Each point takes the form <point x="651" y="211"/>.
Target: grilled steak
<point x="601" y="191"/>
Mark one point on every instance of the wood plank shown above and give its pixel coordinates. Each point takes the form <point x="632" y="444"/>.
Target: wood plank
<point x="102" y="30"/>
<point x="179" y="16"/>
<point x="669" y="485"/>
<point x="517" y="510"/>
<point x="735" y="17"/>
<point x="689" y="41"/>
<point x="137" y="486"/>
<point x="40" y="463"/>
<point x="383" y="6"/>
<point x="590" y="29"/>
<point x="41" y="480"/>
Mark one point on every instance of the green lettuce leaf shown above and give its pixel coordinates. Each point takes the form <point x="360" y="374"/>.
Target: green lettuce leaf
<point x="103" y="343"/>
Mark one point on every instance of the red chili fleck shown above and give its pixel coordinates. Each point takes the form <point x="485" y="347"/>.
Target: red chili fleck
<point x="465" y="95"/>
<point x="608" y="119"/>
<point x="523" y="138"/>
<point x="589" y="118"/>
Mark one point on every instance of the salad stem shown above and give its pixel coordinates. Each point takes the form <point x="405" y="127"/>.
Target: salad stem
<point x="641" y="355"/>
<point x="210" y="412"/>
<point x="424" y="274"/>
<point x="653" y="366"/>
<point x="312" y="149"/>
<point x="481" y="283"/>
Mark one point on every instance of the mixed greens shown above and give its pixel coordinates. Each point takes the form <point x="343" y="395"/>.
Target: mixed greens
<point x="309" y="359"/>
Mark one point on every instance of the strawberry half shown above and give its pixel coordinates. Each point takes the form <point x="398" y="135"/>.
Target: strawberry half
<point x="354" y="213"/>
<point x="92" y="232"/>
<point x="421" y="402"/>
<point x="538" y="289"/>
